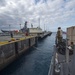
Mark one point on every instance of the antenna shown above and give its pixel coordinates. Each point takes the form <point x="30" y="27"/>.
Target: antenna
<point x="20" y="26"/>
<point x="44" y="27"/>
<point x="39" y="22"/>
<point x="9" y="28"/>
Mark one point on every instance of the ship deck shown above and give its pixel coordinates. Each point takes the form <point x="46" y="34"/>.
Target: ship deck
<point x="65" y="68"/>
<point x="63" y="64"/>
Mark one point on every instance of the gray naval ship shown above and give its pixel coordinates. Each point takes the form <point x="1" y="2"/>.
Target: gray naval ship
<point x="63" y="59"/>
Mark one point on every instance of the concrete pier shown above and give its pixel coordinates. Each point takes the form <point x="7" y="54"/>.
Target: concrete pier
<point x="11" y="50"/>
<point x="44" y="35"/>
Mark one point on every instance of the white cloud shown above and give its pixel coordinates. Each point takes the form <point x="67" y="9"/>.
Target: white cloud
<point x="51" y="12"/>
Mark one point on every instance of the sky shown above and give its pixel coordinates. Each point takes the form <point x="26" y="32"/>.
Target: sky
<point x="48" y="14"/>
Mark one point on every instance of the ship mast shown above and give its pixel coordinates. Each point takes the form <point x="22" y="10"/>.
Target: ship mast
<point x="39" y="22"/>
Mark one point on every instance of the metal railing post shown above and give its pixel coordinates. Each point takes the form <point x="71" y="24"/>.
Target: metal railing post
<point x="73" y="65"/>
<point x="67" y="58"/>
<point x="67" y="52"/>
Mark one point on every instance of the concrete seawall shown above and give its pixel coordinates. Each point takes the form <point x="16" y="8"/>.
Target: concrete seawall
<point x="44" y="35"/>
<point x="9" y="51"/>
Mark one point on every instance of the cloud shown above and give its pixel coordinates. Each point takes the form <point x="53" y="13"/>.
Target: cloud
<point x="2" y="3"/>
<point x="51" y="13"/>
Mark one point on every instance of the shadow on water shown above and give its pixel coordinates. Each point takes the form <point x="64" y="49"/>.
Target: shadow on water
<point x="16" y="64"/>
<point x="35" y="61"/>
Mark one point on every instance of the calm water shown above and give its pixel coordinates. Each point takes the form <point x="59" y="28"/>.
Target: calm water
<point x="34" y="62"/>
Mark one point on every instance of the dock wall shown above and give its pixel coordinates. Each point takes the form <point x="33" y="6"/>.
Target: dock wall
<point x="11" y="50"/>
<point x="44" y="35"/>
